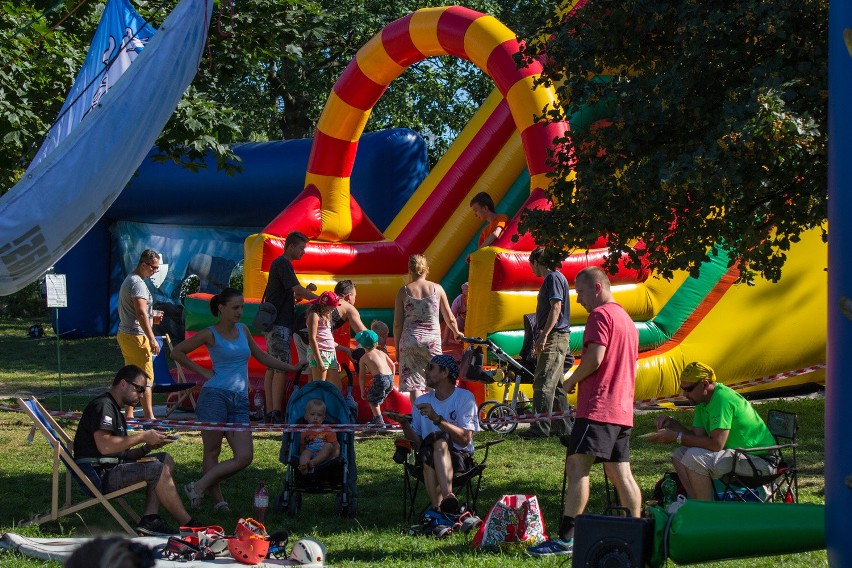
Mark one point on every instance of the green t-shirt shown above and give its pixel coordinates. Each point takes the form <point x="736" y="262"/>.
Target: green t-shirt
<point x="727" y="410"/>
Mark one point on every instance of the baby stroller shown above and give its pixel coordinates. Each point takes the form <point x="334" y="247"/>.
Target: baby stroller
<point x="338" y="475"/>
<point x="510" y="372"/>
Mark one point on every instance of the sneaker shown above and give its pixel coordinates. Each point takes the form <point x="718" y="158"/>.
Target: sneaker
<point x="450" y="505"/>
<point x="155" y="526"/>
<point x="552" y="547"/>
<point x="193" y="496"/>
<point x="377" y="423"/>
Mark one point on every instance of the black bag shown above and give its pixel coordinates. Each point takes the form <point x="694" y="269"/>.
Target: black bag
<point x="265" y="317"/>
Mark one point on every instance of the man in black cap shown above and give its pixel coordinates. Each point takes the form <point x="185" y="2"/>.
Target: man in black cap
<point x="442" y="428"/>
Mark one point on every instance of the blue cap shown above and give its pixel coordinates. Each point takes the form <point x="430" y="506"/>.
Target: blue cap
<point x="367" y="338"/>
<point x="447" y="362"/>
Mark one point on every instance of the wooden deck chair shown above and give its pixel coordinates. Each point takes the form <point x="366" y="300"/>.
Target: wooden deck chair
<point x="164" y="381"/>
<point x="85" y="474"/>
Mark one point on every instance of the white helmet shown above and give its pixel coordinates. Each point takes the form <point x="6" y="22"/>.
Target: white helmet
<point x="307" y="552"/>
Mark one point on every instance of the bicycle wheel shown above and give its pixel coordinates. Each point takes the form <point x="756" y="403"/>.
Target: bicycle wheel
<point x="484" y="409"/>
<point x="502" y="411"/>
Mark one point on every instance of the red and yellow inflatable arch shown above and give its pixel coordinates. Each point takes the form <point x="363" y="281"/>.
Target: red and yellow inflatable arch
<point x="325" y="210"/>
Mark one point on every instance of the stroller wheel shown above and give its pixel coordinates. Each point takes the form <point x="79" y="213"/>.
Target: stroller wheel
<point x="347" y="511"/>
<point x="500" y="412"/>
<point x="484" y="409"/>
<point x="295" y="504"/>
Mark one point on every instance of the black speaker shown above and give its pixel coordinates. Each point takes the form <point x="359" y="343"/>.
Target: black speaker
<point x="602" y="541"/>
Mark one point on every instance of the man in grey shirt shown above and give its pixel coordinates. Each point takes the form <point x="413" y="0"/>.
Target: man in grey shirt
<point x="135" y="333"/>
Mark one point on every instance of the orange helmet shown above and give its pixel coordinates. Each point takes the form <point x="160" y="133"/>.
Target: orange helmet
<point x="251" y="550"/>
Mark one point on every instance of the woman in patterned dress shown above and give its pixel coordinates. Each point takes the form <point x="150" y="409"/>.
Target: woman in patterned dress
<point x="416" y="329"/>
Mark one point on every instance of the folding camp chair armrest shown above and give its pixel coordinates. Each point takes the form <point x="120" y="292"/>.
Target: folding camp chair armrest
<point x="487" y="446"/>
<point x="765" y="448"/>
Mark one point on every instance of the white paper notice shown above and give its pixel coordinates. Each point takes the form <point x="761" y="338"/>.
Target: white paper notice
<point x="57" y="294"/>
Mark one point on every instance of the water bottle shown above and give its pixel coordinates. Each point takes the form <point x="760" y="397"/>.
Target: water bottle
<point x="258" y="405"/>
<point x="261" y="502"/>
<point x="669" y="488"/>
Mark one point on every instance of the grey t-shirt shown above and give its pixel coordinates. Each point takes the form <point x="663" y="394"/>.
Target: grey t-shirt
<point x="133" y="287"/>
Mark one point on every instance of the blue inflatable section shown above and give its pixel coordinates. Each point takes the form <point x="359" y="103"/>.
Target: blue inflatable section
<point x="164" y="197"/>
<point x="838" y="382"/>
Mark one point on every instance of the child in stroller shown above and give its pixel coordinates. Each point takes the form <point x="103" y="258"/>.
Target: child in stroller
<point x="510" y="372"/>
<point x="338" y="474"/>
<point x="318" y="446"/>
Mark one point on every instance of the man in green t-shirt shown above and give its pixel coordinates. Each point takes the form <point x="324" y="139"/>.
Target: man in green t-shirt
<point x="723" y="420"/>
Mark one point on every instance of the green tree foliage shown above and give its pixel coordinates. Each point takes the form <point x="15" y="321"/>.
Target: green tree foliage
<point x="267" y="71"/>
<point x="716" y="130"/>
<point x="275" y="63"/>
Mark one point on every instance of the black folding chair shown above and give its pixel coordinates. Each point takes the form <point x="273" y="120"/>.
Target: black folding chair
<point x="465" y="484"/>
<point x="781" y="482"/>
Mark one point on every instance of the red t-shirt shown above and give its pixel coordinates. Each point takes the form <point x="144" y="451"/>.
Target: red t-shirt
<point x="607" y="394"/>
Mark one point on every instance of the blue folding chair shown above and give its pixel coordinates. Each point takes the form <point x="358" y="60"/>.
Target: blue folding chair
<point x="164" y="382"/>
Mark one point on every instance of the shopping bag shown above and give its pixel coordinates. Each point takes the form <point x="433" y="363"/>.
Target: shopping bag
<point x="514" y="519"/>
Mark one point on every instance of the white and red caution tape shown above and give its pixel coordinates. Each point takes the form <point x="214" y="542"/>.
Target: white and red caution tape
<point x="280" y="428"/>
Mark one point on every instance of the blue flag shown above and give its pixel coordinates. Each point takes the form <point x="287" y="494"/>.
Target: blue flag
<point x="121" y="35"/>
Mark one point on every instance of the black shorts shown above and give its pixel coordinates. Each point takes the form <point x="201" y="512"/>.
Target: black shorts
<point x="607" y="442"/>
<point x="462" y="461"/>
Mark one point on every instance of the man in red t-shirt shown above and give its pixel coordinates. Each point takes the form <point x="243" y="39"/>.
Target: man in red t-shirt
<point x="605" y="380"/>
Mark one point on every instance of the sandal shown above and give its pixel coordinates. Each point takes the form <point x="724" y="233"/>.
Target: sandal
<point x="222" y="507"/>
<point x="193" y="496"/>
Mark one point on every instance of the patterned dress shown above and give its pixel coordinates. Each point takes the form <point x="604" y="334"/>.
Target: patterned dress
<point x="420" y="341"/>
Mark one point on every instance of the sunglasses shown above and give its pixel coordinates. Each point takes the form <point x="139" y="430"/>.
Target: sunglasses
<point x="138" y="388"/>
<point x="432" y="366"/>
<point x="152" y="267"/>
<point x="691" y="387"/>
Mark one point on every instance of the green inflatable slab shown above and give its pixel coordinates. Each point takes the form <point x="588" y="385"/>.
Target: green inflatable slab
<point x="702" y="531"/>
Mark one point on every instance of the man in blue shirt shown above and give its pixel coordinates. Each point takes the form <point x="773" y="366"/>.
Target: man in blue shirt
<point x="552" y="331"/>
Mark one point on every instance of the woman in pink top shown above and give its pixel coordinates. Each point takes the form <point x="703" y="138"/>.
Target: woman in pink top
<point x="321" y="356"/>
<point x="416" y="328"/>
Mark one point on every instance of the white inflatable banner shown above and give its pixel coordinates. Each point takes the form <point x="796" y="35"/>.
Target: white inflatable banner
<point x="53" y="206"/>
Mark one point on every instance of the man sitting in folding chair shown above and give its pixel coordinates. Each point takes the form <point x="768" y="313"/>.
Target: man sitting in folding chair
<point x="442" y="428"/>
<point x="723" y="421"/>
<point x="102" y="441"/>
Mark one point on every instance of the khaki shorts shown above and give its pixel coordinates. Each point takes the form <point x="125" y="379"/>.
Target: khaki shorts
<point x="718" y="464"/>
<point x="136" y="350"/>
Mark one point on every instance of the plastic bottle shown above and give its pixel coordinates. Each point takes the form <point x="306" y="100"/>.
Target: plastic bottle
<point x="261" y="502"/>
<point x="258" y="404"/>
<point x="669" y="488"/>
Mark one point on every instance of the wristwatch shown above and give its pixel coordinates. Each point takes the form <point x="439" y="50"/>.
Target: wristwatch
<point x="679" y="438"/>
<point x="438" y="421"/>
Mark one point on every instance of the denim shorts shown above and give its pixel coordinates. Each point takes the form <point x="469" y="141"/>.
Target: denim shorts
<point x="124" y="474"/>
<point x="220" y="405"/>
<point x="380" y="389"/>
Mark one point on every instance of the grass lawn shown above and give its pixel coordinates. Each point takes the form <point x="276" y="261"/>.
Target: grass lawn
<point x="376" y="536"/>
